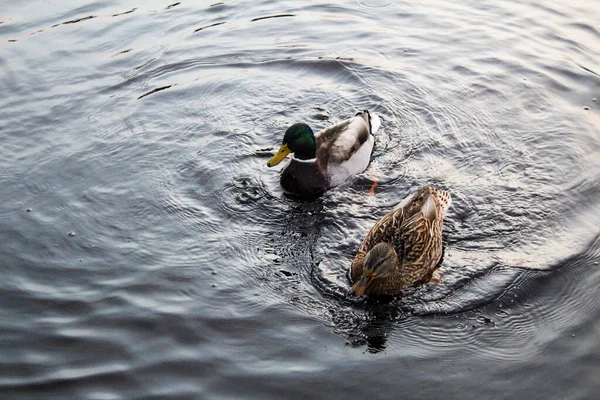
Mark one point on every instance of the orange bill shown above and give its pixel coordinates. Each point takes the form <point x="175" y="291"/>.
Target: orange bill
<point x="358" y="289"/>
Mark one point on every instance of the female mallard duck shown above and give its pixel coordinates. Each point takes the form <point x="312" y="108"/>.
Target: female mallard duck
<point x="328" y="158"/>
<point x="404" y="248"/>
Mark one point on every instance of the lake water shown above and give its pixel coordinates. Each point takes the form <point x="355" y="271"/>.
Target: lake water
<point x="148" y="252"/>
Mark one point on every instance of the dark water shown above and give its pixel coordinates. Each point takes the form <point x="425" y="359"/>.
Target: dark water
<point x="147" y="252"/>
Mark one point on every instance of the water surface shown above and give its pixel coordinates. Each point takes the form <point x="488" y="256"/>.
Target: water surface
<point x="148" y="252"/>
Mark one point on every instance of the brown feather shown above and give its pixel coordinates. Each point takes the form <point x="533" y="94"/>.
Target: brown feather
<point x="333" y="142"/>
<point x="416" y="238"/>
<point x="304" y="178"/>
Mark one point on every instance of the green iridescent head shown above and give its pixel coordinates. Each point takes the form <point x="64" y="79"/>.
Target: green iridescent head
<point x="298" y="139"/>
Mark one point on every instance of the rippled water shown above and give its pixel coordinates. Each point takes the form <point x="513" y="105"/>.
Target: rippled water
<point x="147" y="251"/>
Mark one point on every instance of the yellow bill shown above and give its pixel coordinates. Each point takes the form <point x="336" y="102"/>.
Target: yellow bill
<point x="280" y="155"/>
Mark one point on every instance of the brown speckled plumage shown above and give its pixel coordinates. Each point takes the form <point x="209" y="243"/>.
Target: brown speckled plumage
<point x="414" y="229"/>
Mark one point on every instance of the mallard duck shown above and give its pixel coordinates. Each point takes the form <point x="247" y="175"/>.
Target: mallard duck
<point x="328" y="158"/>
<point x="404" y="248"/>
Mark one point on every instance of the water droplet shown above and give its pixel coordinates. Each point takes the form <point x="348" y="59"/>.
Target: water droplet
<point x="595" y="262"/>
<point x="81" y="260"/>
<point x="586" y="108"/>
<point x="460" y="326"/>
<point x="213" y="285"/>
<point x="55" y="244"/>
<point x="71" y="234"/>
<point x="594" y="99"/>
<point x="502" y="314"/>
<point x="29" y="210"/>
<point x="214" y="272"/>
<point x="573" y="335"/>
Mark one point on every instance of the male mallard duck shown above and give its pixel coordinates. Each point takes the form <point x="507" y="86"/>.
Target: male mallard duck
<point x="328" y="158"/>
<point x="404" y="248"/>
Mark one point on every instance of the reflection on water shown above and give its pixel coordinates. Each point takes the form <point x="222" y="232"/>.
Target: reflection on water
<point x="148" y="252"/>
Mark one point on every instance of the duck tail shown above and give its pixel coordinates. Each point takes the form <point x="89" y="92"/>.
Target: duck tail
<point x="375" y="122"/>
<point x="443" y="199"/>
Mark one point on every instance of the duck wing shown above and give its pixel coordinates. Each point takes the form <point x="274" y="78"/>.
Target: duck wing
<point x="420" y="238"/>
<point x="338" y="143"/>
